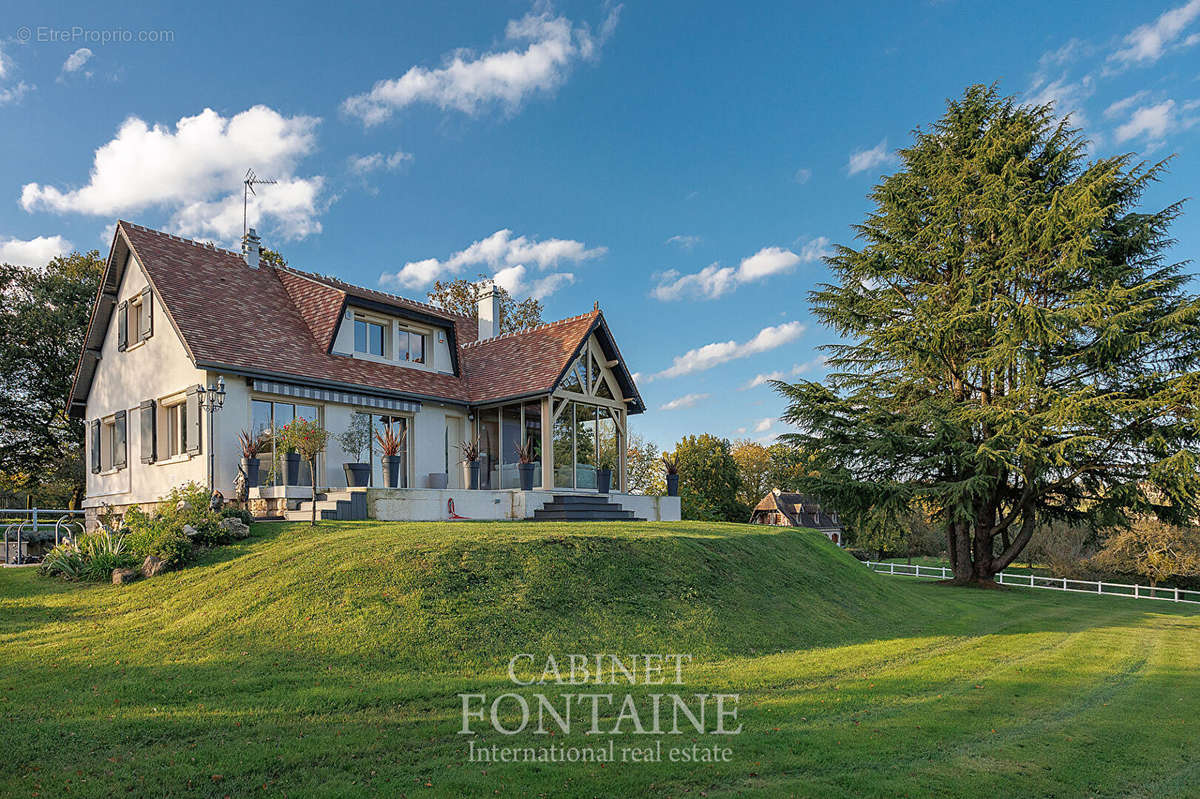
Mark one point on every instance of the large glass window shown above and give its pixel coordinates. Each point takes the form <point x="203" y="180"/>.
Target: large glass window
<point x="266" y="415"/>
<point x="399" y="426"/>
<point x="510" y="439"/>
<point x="564" y="448"/>
<point x="489" y="448"/>
<point x="533" y="432"/>
<point x="586" y="438"/>
<point x="585" y="445"/>
<point x="412" y="346"/>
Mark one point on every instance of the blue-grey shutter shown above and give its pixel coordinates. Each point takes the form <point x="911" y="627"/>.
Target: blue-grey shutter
<point x="147" y="414"/>
<point x="122" y="326"/>
<point x="192" y="430"/>
<point x="120" y="449"/>
<point x="95" y="437"/>
<point x="147" y="320"/>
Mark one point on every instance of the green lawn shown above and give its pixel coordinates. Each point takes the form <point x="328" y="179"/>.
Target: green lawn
<point x="328" y="662"/>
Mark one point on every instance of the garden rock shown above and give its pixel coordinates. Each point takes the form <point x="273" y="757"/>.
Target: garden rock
<point x="183" y="504"/>
<point x="189" y="531"/>
<point x="120" y="576"/>
<point x="152" y="566"/>
<point x="235" y="528"/>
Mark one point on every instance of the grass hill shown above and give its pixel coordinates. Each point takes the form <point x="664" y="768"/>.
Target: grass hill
<point x="329" y="662"/>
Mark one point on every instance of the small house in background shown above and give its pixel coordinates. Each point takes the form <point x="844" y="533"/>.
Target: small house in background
<point x="788" y="509"/>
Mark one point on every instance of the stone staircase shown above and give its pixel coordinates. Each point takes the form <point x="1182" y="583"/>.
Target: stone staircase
<point x="583" y="508"/>
<point x="342" y="506"/>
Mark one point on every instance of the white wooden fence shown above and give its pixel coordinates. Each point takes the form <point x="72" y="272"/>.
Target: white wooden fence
<point x="1053" y="583"/>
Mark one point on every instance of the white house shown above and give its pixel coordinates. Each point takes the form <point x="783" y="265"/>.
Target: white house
<point x="174" y="319"/>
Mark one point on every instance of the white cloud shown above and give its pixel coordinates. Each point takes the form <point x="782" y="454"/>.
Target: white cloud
<point x="195" y="172"/>
<point x="32" y="252"/>
<point x="469" y="82"/>
<point x="686" y="401"/>
<point x="763" y="425"/>
<point x="76" y="60"/>
<point x="862" y="160"/>
<point x="1152" y="121"/>
<point x="501" y="253"/>
<point x="1121" y="106"/>
<point x="1067" y="96"/>
<point x="802" y="175"/>
<point x="797" y="369"/>
<point x="1147" y="43"/>
<point x="14" y="93"/>
<point x="686" y="242"/>
<point x="720" y="352"/>
<point x="513" y="280"/>
<point x="714" y="280"/>
<point x="362" y="164"/>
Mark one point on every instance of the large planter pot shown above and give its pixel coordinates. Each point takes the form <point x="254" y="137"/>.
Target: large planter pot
<point x="391" y="470"/>
<point x="291" y="468"/>
<point x="250" y="469"/>
<point x="473" y="475"/>
<point x="358" y="475"/>
<point x="526" y="471"/>
<point x="603" y="480"/>
<point x="672" y="485"/>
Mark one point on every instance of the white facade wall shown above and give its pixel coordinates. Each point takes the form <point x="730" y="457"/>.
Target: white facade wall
<point x="156" y="368"/>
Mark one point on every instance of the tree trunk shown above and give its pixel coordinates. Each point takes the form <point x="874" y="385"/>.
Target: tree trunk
<point x="312" y="472"/>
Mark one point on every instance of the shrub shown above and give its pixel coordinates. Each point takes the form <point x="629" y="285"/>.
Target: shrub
<point x="158" y="536"/>
<point x="188" y="504"/>
<point x="244" y="516"/>
<point x="93" y="557"/>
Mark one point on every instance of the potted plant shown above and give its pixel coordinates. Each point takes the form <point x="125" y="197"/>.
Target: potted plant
<point x="251" y="447"/>
<point x="604" y="477"/>
<point x="470" y="451"/>
<point x="307" y="439"/>
<point x="390" y="445"/>
<point x="355" y="440"/>
<point x="526" y="455"/>
<point x="671" y="464"/>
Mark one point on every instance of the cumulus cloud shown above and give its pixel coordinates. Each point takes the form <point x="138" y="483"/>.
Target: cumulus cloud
<point x="717" y="353"/>
<point x="14" y="93"/>
<point x="1120" y="107"/>
<point x="763" y="425"/>
<point x="502" y="253"/>
<point x="862" y="160"/>
<point x="516" y="281"/>
<point x="364" y="164"/>
<point x="802" y="175"/>
<point x="468" y="82"/>
<point x="1147" y="43"/>
<point x="32" y="252"/>
<point x="686" y="401"/>
<point x="715" y="280"/>
<point x="194" y="171"/>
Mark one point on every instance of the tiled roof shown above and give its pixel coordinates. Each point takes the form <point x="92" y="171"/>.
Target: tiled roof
<point x="527" y="362"/>
<point x="802" y="510"/>
<point x="281" y="322"/>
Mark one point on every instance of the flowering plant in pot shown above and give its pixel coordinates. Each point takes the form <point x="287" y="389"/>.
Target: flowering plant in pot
<point x="671" y="465"/>
<point x="526" y="455"/>
<point x="390" y="445"/>
<point x="470" y="452"/>
<point x="251" y="447"/>
<point x="604" y="477"/>
<point x="355" y="440"/>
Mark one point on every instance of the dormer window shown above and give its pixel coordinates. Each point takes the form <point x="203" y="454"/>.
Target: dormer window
<point x="370" y="338"/>
<point x="412" y="346"/>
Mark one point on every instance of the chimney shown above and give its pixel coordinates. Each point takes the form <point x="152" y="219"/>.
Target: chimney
<point x="250" y="248"/>
<point x="489" y="310"/>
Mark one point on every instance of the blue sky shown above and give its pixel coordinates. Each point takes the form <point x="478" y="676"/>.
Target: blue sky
<point x="683" y="164"/>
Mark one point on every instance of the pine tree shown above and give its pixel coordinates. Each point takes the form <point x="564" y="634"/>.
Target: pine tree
<point x="1016" y="349"/>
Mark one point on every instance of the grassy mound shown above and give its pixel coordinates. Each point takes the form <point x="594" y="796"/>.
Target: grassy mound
<point x="328" y="662"/>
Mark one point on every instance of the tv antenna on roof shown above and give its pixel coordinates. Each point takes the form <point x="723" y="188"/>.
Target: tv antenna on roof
<point x="249" y="182"/>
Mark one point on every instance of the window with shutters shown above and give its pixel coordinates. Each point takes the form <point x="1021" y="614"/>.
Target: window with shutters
<point x="112" y="443"/>
<point x="172" y="428"/>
